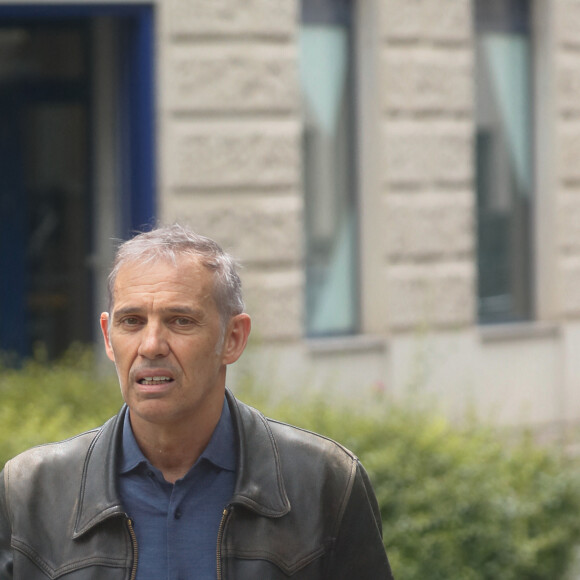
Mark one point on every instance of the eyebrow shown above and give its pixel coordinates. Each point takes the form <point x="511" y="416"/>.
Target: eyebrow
<point x="183" y="310"/>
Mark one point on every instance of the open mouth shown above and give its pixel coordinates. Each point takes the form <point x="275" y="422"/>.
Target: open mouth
<point x="154" y="380"/>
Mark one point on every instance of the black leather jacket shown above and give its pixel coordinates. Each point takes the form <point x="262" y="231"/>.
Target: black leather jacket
<point x="303" y="508"/>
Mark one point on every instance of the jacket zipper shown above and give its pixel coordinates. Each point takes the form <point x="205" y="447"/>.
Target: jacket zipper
<point x="219" y="541"/>
<point x="135" y="548"/>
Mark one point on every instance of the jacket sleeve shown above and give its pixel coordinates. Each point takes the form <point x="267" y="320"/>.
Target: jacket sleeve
<point x="359" y="551"/>
<point x="5" y="534"/>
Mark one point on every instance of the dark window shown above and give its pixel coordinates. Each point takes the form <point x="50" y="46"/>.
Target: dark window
<point x="326" y="72"/>
<point x="504" y="162"/>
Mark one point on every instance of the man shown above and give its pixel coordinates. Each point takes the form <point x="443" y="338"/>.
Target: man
<point x="186" y="482"/>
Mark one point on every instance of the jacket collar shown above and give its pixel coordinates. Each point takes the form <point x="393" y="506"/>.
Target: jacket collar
<point x="259" y="482"/>
<point x="98" y="498"/>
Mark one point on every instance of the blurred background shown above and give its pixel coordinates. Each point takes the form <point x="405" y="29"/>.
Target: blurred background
<point x="401" y="182"/>
<point x="400" y="179"/>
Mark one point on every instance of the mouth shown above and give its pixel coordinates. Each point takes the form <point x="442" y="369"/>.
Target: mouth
<point x="150" y="381"/>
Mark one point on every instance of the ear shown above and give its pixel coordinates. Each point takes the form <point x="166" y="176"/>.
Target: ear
<point x="106" y="337"/>
<point x="236" y="338"/>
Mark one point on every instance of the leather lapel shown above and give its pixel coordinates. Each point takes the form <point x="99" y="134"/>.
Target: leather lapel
<point x="98" y="497"/>
<point x="259" y="485"/>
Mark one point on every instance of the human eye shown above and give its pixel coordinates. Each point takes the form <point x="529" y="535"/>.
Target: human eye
<point x="130" y="321"/>
<point x="183" y="322"/>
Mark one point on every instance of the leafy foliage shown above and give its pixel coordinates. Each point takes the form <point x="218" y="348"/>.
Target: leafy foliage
<point x="457" y="503"/>
<point x="48" y="402"/>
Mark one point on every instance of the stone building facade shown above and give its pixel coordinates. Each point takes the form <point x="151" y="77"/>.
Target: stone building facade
<point x="230" y="164"/>
<point x="229" y="121"/>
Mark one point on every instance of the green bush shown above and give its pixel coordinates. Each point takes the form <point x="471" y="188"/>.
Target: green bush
<point x="457" y="503"/>
<point x="48" y="402"/>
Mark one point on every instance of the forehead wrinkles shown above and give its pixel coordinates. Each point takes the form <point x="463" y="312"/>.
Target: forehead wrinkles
<point x="163" y="282"/>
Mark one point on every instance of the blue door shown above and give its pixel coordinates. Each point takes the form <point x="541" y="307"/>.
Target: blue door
<point x="13" y="228"/>
<point x="47" y="123"/>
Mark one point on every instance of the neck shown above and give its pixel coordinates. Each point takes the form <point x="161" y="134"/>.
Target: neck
<point x="174" y="448"/>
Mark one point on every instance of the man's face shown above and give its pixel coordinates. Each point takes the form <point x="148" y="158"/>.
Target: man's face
<point x="164" y="337"/>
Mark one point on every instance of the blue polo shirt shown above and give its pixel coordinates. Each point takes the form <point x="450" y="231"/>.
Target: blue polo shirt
<point x="177" y="524"/>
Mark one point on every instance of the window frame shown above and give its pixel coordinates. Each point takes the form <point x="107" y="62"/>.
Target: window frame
<point x="528" y="236"/>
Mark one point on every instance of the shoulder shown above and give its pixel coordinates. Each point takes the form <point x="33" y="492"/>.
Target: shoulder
<point x="305" y="458"/>
<point x="319" y="471"/>
<point x="290" y="439"/>
<point x="314" y="460"/>
<point x="51" y="457"/>
<point x="305" y="442"/>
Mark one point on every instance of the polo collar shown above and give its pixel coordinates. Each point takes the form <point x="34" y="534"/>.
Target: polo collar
<point x="259" y="483"/>
<point x="220" y="451"/>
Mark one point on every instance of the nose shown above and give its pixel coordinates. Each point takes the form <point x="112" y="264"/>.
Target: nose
<point x="153" y="341"/>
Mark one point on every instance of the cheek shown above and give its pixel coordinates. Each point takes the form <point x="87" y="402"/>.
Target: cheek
<point x="119" y="356"/>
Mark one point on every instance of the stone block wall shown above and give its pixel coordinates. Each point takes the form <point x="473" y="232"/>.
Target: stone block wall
<point x="230" y="124"/>
<point x="567" y="144"/>
<point x="230" y="152"/>
<point x="229" y="134"/>
<point x="427" y="170"/>
<point x="231" y="142"/>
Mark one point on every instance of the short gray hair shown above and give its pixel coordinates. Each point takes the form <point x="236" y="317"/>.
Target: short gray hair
<point x="170" y="242"/>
